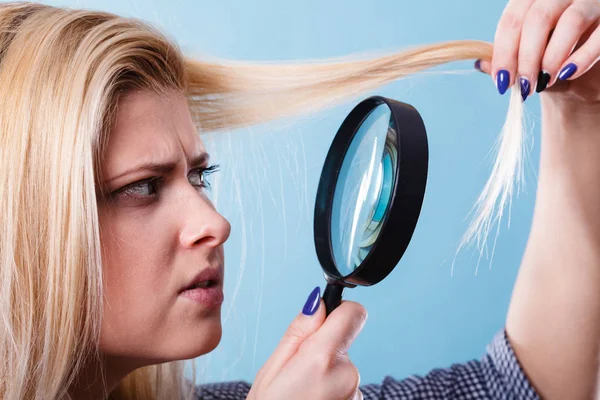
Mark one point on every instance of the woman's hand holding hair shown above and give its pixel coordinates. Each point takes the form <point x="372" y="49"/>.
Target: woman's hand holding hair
<point x="548" y="45"/>
<point x="311" y="361"/>
<point x="553" y="322"/>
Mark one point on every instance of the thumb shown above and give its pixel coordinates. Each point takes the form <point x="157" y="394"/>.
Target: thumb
<point x="305" y="324"/>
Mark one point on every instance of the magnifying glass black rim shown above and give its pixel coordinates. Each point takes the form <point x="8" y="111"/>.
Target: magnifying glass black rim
<point x="406" y="198"/>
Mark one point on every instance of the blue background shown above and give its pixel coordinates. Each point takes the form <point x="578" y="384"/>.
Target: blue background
<point x="421" y="316"/>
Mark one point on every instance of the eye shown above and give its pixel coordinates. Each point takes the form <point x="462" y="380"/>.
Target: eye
<point x="198" y="176"/>
<point x="141" y="189"/>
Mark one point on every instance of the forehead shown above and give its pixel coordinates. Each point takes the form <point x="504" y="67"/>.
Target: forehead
<point x="150" y="127"/>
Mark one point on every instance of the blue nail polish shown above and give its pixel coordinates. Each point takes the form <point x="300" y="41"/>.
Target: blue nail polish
<point x="313" y="301"/>
<point x="525" y="87"/>
<point x="502" y="80"/>
<point x="478" y="65"/>
<point x="567" y="72"/>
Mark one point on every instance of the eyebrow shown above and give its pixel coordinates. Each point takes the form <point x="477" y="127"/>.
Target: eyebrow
<point x="163" y="168"/>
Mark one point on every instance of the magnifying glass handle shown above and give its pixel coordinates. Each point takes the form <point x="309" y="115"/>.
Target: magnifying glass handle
<point x="332" y="297"/>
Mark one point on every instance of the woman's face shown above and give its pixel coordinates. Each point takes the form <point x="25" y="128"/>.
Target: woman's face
<point x="159" y="231"/>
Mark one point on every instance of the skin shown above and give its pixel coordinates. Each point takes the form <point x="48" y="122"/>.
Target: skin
<point x="155" y="239"/>
<point x="553" y="322"/>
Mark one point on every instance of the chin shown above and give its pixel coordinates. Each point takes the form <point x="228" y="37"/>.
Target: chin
<point x="183" y="344"/>
<point x="213" y="342"/>
<point x="202" y="342"/>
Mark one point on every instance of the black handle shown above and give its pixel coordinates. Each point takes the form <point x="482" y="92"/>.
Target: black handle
<point x="332" y="297"/>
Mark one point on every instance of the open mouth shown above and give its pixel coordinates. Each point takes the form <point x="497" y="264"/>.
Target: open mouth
<point x="208" y="293"/>
<point x="203" y="285"/>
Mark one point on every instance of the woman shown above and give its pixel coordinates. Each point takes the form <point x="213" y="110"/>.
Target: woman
<point x="111" y="254"/>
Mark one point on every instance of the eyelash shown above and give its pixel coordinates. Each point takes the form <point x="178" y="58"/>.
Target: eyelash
<point x="157" y="180"/>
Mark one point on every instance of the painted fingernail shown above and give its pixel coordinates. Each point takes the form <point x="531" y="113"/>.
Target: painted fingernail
<point x="478" y="65"/>
<point x="525" y="87"/>
<point x="312" y="303"/>
<point x="567" y="72"/>
<point x="543" y="80"/>
<point x="502" y="80"/>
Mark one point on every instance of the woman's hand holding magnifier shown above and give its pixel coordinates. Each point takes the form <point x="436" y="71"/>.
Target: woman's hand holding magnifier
<point x="311" y="360"/>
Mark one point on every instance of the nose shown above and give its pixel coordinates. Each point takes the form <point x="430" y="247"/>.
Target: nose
<point x="203" y="224"/>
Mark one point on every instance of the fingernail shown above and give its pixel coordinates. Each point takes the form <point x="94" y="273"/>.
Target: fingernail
<point x="478" y="65"/>
<point x="502" y="80"/>
<point x="543" y="79"/>
<point x="312" y="303"/>
<point x="525" y="87"/>
<point x="567" y="72"/>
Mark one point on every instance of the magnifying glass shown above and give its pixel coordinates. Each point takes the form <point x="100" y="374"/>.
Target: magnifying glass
<point x="370" y="195"/>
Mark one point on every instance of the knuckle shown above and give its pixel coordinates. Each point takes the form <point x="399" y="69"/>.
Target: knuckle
<point x="294" y="334"/>
<point x="510" y="20"/>
<point x="321" y="362"/>
<point x="539" y="14"/>
<point x="577" y="17"/>
<point x="586" y="11"/>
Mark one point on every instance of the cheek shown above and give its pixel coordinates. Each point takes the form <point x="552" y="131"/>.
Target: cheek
<point x="144" y="319"/>
<point x="136" y="279"/>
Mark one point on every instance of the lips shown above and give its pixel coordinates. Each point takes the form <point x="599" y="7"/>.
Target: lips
<point x="205" y="288"/>
<point x="207" y="297"/>
<point x="207" y="278"/>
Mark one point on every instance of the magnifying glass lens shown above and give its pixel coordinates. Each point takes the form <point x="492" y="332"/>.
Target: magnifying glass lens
<point x="370" y="195"/>
<point x="364" y="189"/>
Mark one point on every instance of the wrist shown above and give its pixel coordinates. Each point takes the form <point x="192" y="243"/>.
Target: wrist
<point x="570" y="139"/>
<point x="569" y="113"/>
<point x="568" y="191"/>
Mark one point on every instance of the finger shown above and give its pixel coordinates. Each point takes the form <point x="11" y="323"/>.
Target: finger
<point x="574" y="22"/>
<point x="345" y="381"/>
<point x="539" y="21"/>
<point x="582" y="59"/>
<point x="358" y="395"/>
<point x="340" y="328"/>
<point x="299" y="330"/>
<point x="484" y="66"/>
<point x="506" y="40"/>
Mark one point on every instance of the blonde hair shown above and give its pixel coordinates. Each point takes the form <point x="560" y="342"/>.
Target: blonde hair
<point x="62" y="73"/>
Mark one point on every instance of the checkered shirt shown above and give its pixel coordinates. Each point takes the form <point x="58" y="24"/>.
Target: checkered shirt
<point x="496" y="376"/>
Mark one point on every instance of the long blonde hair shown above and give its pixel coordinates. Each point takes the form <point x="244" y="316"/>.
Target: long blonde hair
<point x="62" y="73"/>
